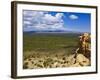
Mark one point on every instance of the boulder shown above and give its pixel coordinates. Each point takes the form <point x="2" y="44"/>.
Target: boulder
<point x="82" y="60"/>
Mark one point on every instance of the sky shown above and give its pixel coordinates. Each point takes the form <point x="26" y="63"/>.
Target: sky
<point x="55" y="21"/>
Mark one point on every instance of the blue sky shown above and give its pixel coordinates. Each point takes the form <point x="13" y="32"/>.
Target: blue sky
<point x="53" y="21"/>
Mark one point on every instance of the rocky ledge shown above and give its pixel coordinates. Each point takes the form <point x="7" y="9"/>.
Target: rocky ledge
<point x="48" y="62"/>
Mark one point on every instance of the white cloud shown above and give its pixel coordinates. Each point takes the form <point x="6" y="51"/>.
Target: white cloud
<point x="59" y="15"/>
<point x="38" y="20"/>
<point x="27" y="22"/>
<point x="32" y="13"/>
<point x="73" y="17"/>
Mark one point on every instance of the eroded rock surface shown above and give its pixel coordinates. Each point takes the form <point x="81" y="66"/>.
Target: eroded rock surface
<point x="56" y="62"/>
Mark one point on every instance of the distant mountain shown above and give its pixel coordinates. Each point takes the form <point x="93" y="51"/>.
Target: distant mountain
<point x="53" y="31"/>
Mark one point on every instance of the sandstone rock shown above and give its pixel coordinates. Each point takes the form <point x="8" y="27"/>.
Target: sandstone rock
<point x="76" y="65"/>
<point x="56" y="62"/>
<point x="82" y="60"/>
<point x="28" y="65"/>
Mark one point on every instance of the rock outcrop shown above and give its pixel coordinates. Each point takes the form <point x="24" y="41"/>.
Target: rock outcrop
<point x="55" y="62"/>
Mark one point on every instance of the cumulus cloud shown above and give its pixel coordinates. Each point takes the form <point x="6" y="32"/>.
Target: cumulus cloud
<point x="38" y="20"/>
<point x="73" y="17"/>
